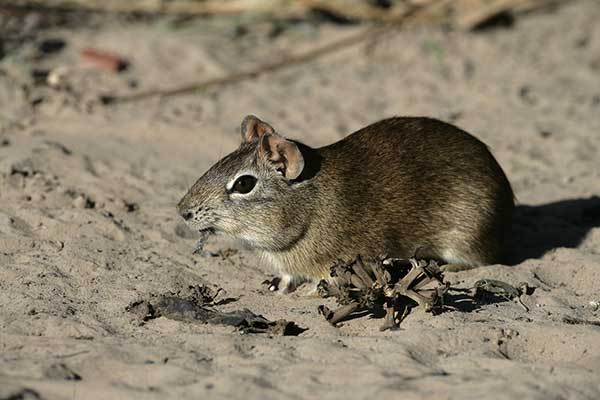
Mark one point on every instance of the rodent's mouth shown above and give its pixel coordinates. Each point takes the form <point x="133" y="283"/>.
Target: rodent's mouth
<point x="204" y="234"/>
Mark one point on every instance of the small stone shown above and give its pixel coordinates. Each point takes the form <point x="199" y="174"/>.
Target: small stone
<point x="52" y="45"/>
<point x="56" y="77"/>
<point x="79" y="202"/>
<point x="131" y="207"/>
<point x="36" y="101"/>
<point x="39" y="76"/>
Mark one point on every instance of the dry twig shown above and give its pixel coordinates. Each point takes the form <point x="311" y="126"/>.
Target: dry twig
<point x="394" y="286"/>
<point x="396" y="283"/>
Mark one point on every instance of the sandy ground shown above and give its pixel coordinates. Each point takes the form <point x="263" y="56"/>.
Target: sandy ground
<point x="88" y="224"/>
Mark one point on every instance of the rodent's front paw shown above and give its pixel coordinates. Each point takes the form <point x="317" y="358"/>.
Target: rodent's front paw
<point x="286" y="285"/>
<point x="283" y="284"/>
<point x="272" y="284"/>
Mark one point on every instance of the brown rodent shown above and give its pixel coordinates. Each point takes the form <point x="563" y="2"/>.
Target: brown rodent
<point x="395" y="187"/>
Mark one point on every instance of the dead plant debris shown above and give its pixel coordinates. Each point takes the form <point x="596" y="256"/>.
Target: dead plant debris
<point x="198" y="305"/>
<point x="393" y="286"/>
<point x="567" y="319"/>
<point x="485" y="288"/>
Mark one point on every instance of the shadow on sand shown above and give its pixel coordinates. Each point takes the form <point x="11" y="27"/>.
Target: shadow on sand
<point x="538" y="229"/>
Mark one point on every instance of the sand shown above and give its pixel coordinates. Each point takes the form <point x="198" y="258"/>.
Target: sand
<point x="88" y="222"/>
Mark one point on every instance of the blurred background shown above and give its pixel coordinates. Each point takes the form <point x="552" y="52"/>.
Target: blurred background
<point x="162" y="86"/>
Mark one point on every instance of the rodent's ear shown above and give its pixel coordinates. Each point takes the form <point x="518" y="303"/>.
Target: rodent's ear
<point x="254" y="128"/>
<point x="284" y="153"/>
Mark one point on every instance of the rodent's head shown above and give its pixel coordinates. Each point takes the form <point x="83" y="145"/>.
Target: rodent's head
<point x="246" y="194"/>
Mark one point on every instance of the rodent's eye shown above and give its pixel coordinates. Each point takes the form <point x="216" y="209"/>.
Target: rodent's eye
<point x="244" y="184"/>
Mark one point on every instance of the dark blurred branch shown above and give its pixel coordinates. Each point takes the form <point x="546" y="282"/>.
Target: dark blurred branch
<point x="183" y="7"/>
<point x="464" y="14"/>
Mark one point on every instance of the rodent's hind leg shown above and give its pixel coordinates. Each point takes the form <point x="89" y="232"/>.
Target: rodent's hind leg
<point x="286" y="284"/>
<point x="456" y="267"/>
<point x="455" y="260"/>
<point x="448" y="260"/>
<point x="302" y="286"/>
<point x="309" y="289"/>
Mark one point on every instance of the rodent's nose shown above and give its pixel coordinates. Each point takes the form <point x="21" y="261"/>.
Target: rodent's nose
<point x="187" y="215"/>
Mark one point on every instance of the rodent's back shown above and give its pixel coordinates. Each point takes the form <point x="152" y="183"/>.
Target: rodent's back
<point x="406" y="184"/>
